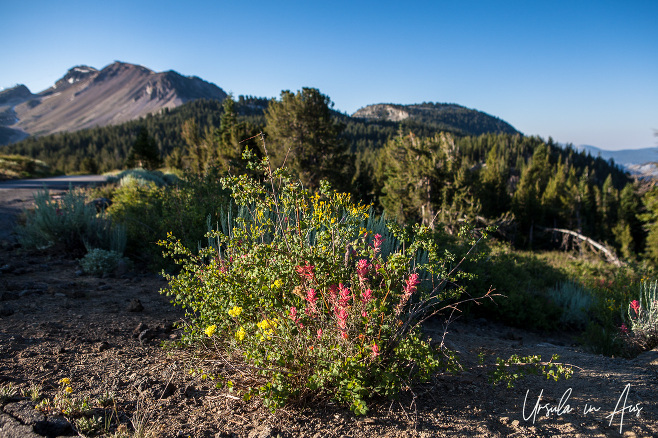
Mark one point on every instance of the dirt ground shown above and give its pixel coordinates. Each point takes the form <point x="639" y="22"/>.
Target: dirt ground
<point x="105" y="335"/>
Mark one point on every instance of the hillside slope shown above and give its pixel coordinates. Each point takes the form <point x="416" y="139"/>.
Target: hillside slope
<point x="446" y="116"/>
<point x="86" y="97"/>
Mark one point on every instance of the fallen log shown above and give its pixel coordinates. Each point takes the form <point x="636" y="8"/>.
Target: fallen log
<point x="609" y="254"/>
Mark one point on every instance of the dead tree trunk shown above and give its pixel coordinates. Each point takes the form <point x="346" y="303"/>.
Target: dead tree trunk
<point x="609" y="254"/>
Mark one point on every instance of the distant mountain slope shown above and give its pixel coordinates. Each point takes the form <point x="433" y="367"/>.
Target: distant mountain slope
<point x="626" y="158"/>
<point x="441" y="115"/>
<point x="86" y="97"/>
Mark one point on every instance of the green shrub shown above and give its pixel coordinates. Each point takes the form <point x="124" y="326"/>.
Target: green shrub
<point x="298" y="292"/>
<point x="142" y="177"/>
<point x="100" y="262"/>
<point x="150" y="212"/>
<point x="575" y="302"/>
<point x="69" y="221"/>
<point x="17" y="166"/>
<point x="523" y="279"/>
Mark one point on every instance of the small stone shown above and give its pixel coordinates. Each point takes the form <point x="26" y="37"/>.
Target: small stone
<point x="79" y="273"/>
<point x="515" y="423"/>
<point x="6" y="311"/>
<point x="102" y="346"/>
<point x="135" y="305"/>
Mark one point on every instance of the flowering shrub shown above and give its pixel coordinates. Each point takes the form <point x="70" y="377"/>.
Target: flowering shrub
<point x="641" y="327"/>
<point x="305" y="301"/>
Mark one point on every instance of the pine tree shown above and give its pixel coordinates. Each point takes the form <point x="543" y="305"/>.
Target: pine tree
<point x="144" y="152"/>
<point x="303" y="136"/>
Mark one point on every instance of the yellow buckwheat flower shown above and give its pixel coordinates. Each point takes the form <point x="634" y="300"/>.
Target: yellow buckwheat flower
<point x="235" y="312"/>
<point x="68" y="389"/>
<point x="210" y="330"/>
<point x="65" y="381"/>
<point x="240" y="334"/>
<point x="266" y="324"/>
<point x="277" y="284"/>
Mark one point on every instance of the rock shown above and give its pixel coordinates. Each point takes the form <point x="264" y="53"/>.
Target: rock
<point x="12" y="428"/>
<point x="135" y="305"/>
<point x="104" y="287"/>
<point x="24" y="411"/>
<point x="79" y="273"/>
<point x="53" y="426"/>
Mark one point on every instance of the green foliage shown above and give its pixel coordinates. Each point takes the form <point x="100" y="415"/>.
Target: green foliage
<point x="522" y="278"/>
<point x="416" y="172"/>
<point x="144" y="152"/>
<point x="7" y="392"/>
<point x="69" y="221"/>
<point x="510" y="370"/>
<point x="575" y="302"/>
<point x="100" y="262"/>
<point x="16" y="166"/>
<point x="302" y="133"/>
<point x="149" y="212"/>
<point x="300" y="291"/>
<point x="143" y="177"/>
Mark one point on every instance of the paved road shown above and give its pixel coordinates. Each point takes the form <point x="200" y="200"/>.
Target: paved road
<point x="16" y="195"/>
<point x="55" y="183"/>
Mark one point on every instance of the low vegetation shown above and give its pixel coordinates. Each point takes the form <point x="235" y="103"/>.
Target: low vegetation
<point x="18" y="166"/>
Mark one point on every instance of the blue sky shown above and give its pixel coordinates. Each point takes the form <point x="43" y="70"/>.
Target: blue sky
<point x="584" y="72"/>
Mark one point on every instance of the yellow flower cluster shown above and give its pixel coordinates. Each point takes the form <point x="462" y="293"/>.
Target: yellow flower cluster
<point x="235" y="312"/>
<point x="267" y="326"/>
<point x="210" y="330"/>
<point x="240" y="334"/>
<point x="277" y="284"/>
<point x="65" y="381"/>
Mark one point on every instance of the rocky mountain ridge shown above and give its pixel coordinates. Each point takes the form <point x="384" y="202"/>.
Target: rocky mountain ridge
<point x="441" y="115"/>
<point x="86" y="97"/>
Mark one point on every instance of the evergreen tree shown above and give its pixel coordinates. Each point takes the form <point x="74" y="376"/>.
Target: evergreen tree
<point x="302" y="134"/>
<point x="416" y="171"/>
<point x="144" y="152"/>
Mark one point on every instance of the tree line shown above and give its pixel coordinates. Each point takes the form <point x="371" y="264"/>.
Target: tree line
<point x="413" y="171"/>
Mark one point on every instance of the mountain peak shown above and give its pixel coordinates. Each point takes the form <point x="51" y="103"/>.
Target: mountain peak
<point x="74" y="75"/>
<point x="16" y="94"/>
<point x="86" y="97"/>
